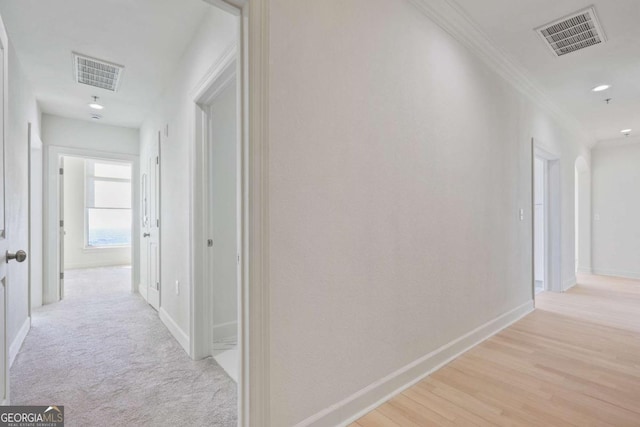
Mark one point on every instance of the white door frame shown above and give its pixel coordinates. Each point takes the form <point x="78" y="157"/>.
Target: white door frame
<point x="217" y="79"/>
<point x="51" y="208"/>
<point x="253" y="296"/>
<point x="553" y="218"/>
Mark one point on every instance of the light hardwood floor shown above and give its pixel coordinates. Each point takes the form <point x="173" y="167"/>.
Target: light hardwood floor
<point x="574" y="361"/>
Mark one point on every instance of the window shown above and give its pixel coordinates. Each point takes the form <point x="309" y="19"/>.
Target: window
<point x="108" y="203"/>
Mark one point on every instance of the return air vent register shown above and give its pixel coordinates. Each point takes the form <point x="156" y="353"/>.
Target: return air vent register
<point x="574" y="32"/>
<point x="96" y="72"/>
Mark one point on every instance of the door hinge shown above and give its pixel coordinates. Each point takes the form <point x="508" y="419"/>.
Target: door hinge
<point x="158" y="223"/>
<point x="61" y="276"/>
<point x="61" y="171"/>
<point x="158" y="286"/>
<point x="238" y="258"/>
<point x="157" y="160"/>
<point x="210" y="243"/>
<point x="61" y="223"/>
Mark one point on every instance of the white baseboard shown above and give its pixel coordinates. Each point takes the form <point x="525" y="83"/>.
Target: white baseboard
<point x="569" y="283"/>
<point x="585" y="270"/>
<point x="617" y="273"/>
<point x="14" y="348"/>
<point x="362" y="402"/>
<point x="142" y="290"/>
<point x="176" y="331"/>
<point x="225" y="330"/>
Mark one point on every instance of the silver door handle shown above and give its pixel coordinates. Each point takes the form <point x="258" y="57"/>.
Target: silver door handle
<point x="146" y="235"/>
<point x="19" y="256"/>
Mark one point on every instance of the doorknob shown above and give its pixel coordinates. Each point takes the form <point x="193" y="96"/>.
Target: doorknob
<point x="19" y="256"/>
<point x="146" y="235"/>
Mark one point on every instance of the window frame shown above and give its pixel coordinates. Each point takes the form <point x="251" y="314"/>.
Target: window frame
<point x="89" y="196"/>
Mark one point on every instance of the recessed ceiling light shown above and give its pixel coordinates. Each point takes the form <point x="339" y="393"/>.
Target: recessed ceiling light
<point x="626" y="131"/>
<point x="601" y="88"/>
<point x="95" y="105"/>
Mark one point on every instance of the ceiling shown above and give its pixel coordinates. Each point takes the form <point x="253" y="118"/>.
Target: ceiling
<point x="148" y="37"/>
<point x="568" y="80"/>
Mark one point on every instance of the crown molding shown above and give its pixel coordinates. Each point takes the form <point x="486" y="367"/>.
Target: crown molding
<point x="454" y="20"/>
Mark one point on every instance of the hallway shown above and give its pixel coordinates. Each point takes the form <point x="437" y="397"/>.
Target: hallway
<point x="574" y="361"/>
<point x="105" y="355"/>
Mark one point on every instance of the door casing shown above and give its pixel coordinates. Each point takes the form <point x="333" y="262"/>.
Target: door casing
<point x="53" y="239"/>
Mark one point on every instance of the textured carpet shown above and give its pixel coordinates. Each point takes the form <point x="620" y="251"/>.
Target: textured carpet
<point x="105" y="355"/>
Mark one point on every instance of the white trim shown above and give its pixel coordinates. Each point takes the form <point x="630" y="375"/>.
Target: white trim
<point x="19" y="340"/>
<point x="553" y="215"/>
<point x="360" y="403"/>
<point x="584" y="270"/>
<point x="455" y="21"/>
<point x="177" y="332"/>
<point x="616" y="273"/>
<point x="219" y="76"/>
<point x="569" y="283"/>
<point x="51" y="153"/>
<point x="253" y="379"/>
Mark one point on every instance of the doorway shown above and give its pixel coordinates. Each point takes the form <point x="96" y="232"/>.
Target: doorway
<point x="90" y="205"/>
<point x="96" y="218"/>
<point x="540" y="224"/>
<point x="546" y="204"/>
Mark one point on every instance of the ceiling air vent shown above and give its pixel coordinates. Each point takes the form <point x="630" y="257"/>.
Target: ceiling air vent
<point x="573" y="32"/>
<point x="96" y="72"/>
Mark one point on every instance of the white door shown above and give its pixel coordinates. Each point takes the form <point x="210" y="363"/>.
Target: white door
<point x="13" y="236"/>
<point x="153" y="229"/>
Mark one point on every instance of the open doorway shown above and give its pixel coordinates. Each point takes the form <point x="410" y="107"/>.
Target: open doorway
<point x="546" y="201"/>
<point x="96" y="226"/>
<point x="540" y="224"/>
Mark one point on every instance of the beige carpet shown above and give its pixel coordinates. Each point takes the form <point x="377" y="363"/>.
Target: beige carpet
<point x="105" y="355"/>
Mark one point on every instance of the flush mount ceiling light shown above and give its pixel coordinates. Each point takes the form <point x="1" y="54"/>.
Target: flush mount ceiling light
<point x="95" y="105"/>
<point x="601" y="88"/>
<point x="626" y="132"/>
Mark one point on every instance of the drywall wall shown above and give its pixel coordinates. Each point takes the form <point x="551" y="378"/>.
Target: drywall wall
<point x="76" y="255"/>
<point x="398" y="164"/>
<point x="616" y="209"/>
<point x="175" y="114"/>
<point x="224" y="212"/>
<point x="23" y="110"/>
<point x="86" y="135"/>
<point x="37" y="220"/>
<point x="583" y="216"/>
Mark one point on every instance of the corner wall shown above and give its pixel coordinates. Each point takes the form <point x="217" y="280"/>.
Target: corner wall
<point x="176" y="112"/>
<point x="616" y="210"/>
<point x="398" y="164"/>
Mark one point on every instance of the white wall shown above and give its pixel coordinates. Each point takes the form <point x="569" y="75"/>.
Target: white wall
<point x="76" y="255"/>
<point x="583" y="229"/>
<point x="616" y="210"/>
<point x="22" y="110"/>
<point x="398" y="164"/>
<point x="176" y="109"/>
<point x="86" y="135"/>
